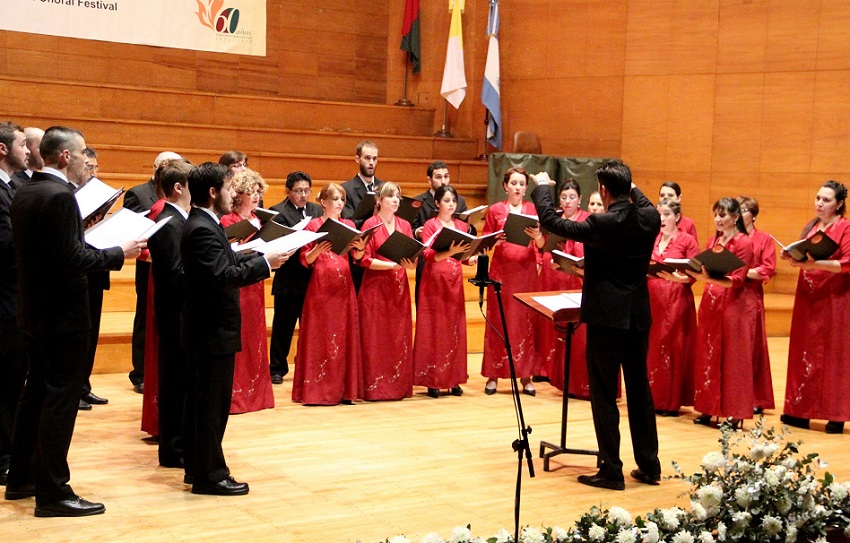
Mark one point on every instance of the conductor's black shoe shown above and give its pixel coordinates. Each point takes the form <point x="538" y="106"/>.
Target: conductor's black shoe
<point x="69" y="507"/>
<point x="834" y="427"/>
<point x="226" y="487"/>
<point x="94" y="399"/>
<point x="84" y="406"/>
<point x="139" y="388"/>
<point x="433" y="392"/>
<point x="188" y="479"/>
<point x="645" y="478"/>
<point x="796" y="422"/>
<point x="457" y="391"/>
<point x="20" y="493"/>
<point x="602" y="482"/>
<point x="172" y="463"/>
<point x="277" y="378"/>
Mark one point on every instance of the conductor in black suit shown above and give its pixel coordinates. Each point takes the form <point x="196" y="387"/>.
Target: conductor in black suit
<point x="212" y="322"/>
<point x="615" y="306"/>
<point x="290" y="280"/>
<point x="366" y="156"/>
<point x="169" y="296"/>
<point x="53" y="314"/>
<point x="140" y="199"/>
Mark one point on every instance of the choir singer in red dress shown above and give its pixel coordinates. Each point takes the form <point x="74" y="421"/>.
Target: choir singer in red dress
<point x="818" y="384"/>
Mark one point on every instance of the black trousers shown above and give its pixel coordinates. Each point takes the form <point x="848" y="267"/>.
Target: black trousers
<point x="287" y="311"/>
<point x="607" y="350"/>
<point x="137" y="375"/>
<point x="212" y="391"/>
<point x="173" y="386"/>
<point x="47" y="413"/>
<point x="13" y="372"/>
<point x="95" y="312"/>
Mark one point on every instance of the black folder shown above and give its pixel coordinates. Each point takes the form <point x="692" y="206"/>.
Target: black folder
<point x="477" y="245"/>
<point x="400" y="246"/>
<point x="515" y="227"/>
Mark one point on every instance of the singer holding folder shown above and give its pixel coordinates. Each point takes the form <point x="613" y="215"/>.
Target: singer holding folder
<point x="819" y="346"/>
<point x="327" y="365"/>
<point x="386" y="323"/>
<point x="439" y="351"/>
<point x="615" y="308"/>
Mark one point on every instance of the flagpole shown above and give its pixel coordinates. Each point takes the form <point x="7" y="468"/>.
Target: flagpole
<point x="404" y="101"/>
<point x="484" y="156"/>
<point x="444" y="131"/>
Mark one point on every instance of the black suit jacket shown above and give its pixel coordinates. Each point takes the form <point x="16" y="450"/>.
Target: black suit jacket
<point x="212" y="321"/>
<point x="52" y="257"/>
<point x="292" y="277"/>
<point x="167" y="268"/>
<point x="429" y="208"/>
<point x="20" y="177"/>
<point x="355" y="190"/>
<point x="617" y="249"/>
<point x="141" y="197"/>
<point x="8" y="269"/>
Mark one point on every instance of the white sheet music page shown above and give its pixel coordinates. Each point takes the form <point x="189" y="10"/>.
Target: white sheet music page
<point x="92" y="195"/>
<point x="123" y="225"/>
<point x="565" y="300"/>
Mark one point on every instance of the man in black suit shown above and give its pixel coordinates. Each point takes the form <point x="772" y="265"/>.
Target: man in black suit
<point x="53" y="315"/>
<point x="290" y="281"/>
<point x="140" y="199"/>
<point x="438" y="175"/>
<point x="212" y="323"/>
<point x="615" y="306"/>
<point x="98" y="282"/>
<point x="34" y="162"/>
<point x="366" y="156"/>
<point x="13" y="365"/>
<point x="172" y="177"/>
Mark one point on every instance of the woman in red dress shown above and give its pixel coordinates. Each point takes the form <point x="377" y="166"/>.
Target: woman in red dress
<point x="386" y="324"/>
<point x="327" y="365"/>
<point x="252" y="384"/>
<point x="439" y="350"/>
<point x="761" y="271"/>
<point x="516" y="267"/>
<point x="550" y="347"/>
<point x="672" y="191"/>
<point x="672" y="338"/>
<point x="818" y="384"/>
<point x="723" y="369"/>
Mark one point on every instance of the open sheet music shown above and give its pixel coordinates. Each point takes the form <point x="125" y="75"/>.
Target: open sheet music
<point x="122" y="226"/>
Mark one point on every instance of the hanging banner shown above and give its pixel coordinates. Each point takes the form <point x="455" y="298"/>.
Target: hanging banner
<point x="222" y="26"/>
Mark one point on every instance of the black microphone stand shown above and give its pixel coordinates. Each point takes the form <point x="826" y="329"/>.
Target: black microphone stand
<point x="520" y="444"/>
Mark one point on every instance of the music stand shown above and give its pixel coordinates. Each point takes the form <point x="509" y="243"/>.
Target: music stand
<point x="565" y="321"/>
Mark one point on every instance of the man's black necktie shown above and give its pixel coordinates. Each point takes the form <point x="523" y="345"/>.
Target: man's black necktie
<point x="303" y="212"/>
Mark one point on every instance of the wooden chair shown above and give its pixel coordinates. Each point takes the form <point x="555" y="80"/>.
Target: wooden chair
<point x="527" y="142"/>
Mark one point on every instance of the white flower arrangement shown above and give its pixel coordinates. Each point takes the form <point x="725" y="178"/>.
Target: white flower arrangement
<point x="768" y="493"/>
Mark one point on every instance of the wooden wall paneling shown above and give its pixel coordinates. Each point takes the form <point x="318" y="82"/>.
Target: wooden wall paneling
<point x="831" y="122"/>
<point x="833" y="35"/>
<point x="693" y="37"/>
<point x="738" y="104"/>
<point x="569" y="33"/>
<point x="788" y="127"/>
<point x="605" y="52"/>
<point x="690" y="117"/>
<point x="645" y="100"/>
<point x="648" y="36"/>
<point x="742" y="36"/>
<point x="792" y="35"/>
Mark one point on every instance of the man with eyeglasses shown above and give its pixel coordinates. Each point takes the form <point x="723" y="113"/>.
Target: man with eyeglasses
<point x="289" y="287"/>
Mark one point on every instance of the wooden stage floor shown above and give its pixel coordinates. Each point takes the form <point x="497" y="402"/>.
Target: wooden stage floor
<point x="366" y="472"/>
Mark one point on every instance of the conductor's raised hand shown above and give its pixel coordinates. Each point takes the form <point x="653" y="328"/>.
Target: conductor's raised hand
<point x="542" y="179"/>
<point x="277" y="258"/>
<point x="133" y="248"/>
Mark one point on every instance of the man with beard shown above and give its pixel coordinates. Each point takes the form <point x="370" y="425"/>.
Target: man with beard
<point x="366" y="156"/>
<point x="212" y="323"/>
<point x="53" y="316"/>
<point x="34" y="161"/>
<point x="13" y="368"/>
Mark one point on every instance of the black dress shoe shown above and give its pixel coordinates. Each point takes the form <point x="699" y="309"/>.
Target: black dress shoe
<point x="94" y="399"/>
<point x="529" y="391"/>
<point x="599" y="481"/>
<point x="20" y="493"/>
<point x="84" y="406"/>
<point x="70" y="507"/>
<point x="796" y="422"/>
<point x="139" y="389"/>
<point x="171" y="463"/>
<point x="347" y="402"/>
<point x="277" y="378"/>
<point x="225" y="487"/>
<point x="540" y="379"/>
<point x="4" y="475"/>
<point x="758" y="410"/>
<point x="489" y="391"/>
<point x="645" y="478"/>
<point x="704" y="420"/>
<point x="188" y="479"/>
<point x="433" y="392"/>
<point x="457" y="391"/>
<point x="834" y="427"/>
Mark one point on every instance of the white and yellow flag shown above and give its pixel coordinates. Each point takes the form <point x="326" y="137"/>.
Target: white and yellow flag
<point x="454" y="78"/>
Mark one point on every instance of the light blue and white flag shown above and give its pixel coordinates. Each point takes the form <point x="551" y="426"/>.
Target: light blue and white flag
<point x="490" y="93"/>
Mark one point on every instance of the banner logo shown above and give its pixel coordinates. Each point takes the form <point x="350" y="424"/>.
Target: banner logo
<point x="223" y="21"/>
